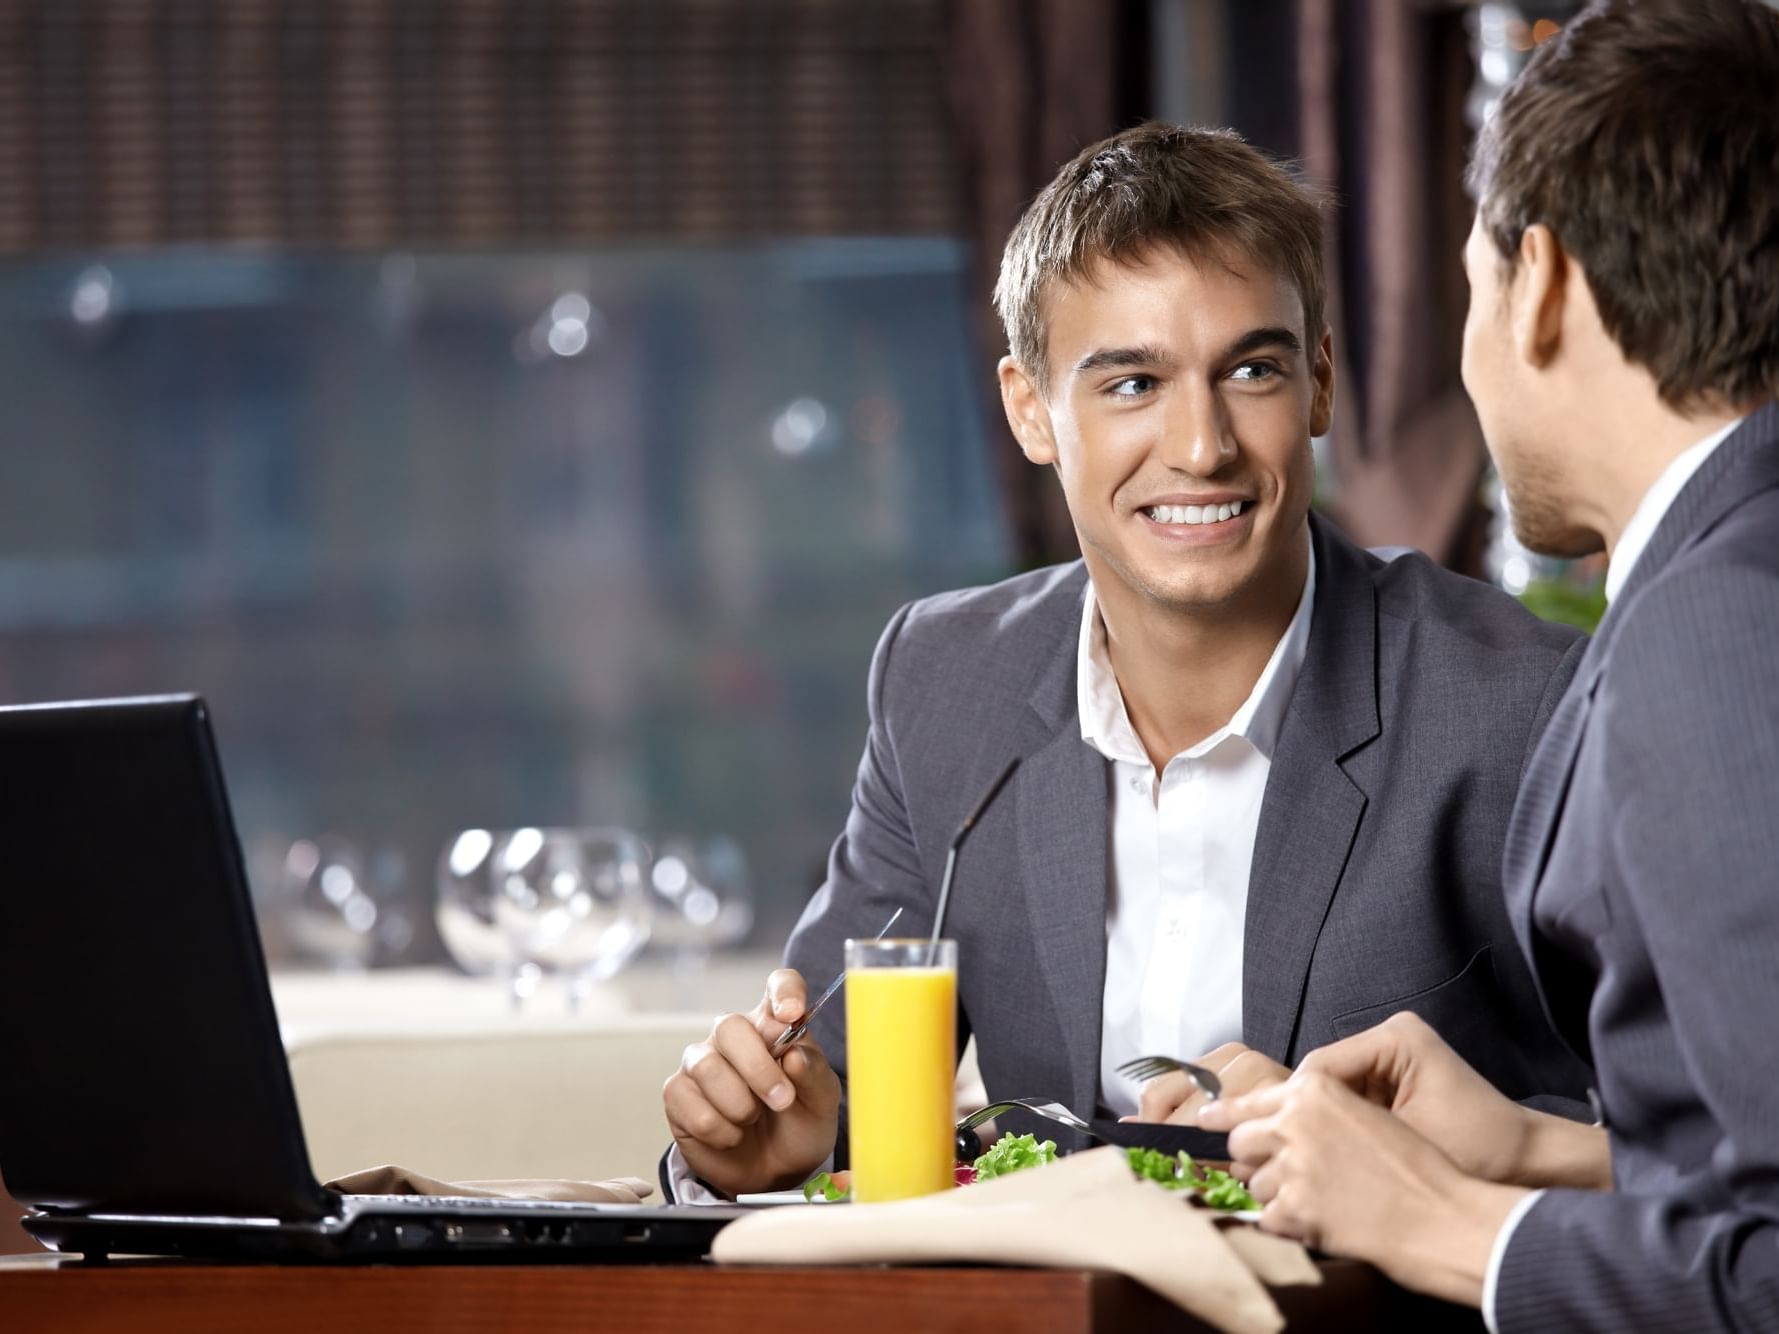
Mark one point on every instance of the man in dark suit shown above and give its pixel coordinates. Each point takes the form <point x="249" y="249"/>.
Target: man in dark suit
<point x="1623" y="352"/>
<point x="1264" y="774"/>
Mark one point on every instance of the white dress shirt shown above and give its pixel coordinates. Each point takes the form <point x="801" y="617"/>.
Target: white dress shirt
<point x="1181" y="846"/>
<point x="1647" y="517"/>
<point x="1654" y="506"/>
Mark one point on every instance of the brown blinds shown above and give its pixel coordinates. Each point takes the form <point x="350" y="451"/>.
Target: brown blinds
<point x="373" y="123"/>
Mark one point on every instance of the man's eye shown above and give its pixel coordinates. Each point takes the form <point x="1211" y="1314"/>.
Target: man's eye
<point x="1133" y="386"/>
<point x="1255" y="371"/>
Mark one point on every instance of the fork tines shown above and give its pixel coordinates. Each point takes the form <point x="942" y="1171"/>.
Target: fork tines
<point x="1147" y="1067"/>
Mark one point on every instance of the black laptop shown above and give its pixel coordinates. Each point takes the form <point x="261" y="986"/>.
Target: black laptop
<point x="145" y="1102"/>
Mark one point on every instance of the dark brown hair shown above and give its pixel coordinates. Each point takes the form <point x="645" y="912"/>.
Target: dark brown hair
<point x="1203" y="192"/>
<point x="1645" y="135"/>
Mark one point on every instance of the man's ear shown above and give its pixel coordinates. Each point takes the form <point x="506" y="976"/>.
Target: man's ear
<point x="1026" y="413"/>
<point x="1538" y="293"/>
<point x="1322" y="394"/>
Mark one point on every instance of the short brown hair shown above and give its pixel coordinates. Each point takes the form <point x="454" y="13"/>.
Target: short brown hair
<point x="1646" y="137"/>
<point x="1158" y="185"/>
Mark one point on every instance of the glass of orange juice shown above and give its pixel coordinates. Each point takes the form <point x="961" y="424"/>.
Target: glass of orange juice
<point x="901" y="1066"/>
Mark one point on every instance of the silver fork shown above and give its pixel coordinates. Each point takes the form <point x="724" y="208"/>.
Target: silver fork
<point x="1145" y="1068"/>
<point x="1051" y="1111"/>
<point x="796" y="1031"/>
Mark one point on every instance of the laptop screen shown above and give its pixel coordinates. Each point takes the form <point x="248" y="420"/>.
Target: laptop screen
<point x="140" y="1065"/>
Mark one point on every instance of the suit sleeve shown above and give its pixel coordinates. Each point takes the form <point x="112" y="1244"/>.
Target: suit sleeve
<point x="874" y="867"/>
<point x="1691" y="727"/>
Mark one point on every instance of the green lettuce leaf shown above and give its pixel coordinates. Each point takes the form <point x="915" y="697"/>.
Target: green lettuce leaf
<point x="1214" y="1186"/>
<point x="1012" y="1153"/>
<point x="823" y="1184"/>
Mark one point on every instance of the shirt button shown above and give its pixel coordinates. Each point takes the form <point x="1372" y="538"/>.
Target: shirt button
<point x="1138" y="785"/>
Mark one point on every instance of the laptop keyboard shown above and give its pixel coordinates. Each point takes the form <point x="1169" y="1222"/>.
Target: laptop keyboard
<point x="473" y="1203"/>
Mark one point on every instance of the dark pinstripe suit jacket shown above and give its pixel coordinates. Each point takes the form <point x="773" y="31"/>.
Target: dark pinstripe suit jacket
<point x="1375" y="884"/>
<point x="1643" y="881"/>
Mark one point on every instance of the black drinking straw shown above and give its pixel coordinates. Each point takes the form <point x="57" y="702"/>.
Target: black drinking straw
<point x="951" y="855"/>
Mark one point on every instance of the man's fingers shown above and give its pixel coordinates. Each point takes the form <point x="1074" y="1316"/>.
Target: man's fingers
<point x="1373" y="1063"/>
<point x="693" y="1120"/>
<point x="1250" y="1070"/>
<point x="720" y="1085"/>
<point x="787" y="996"/>
<point x="1163" y="1095"/>
<point x="1263" y="1182"/>
<point x="1256" y="1141"/>
<point x="1227" y="1113"/>
<point x="1215" y="1061"/>
<point x="742" y="1046"/>
<point x="1282" y="1218"/>
<point x="818" y="1087"/>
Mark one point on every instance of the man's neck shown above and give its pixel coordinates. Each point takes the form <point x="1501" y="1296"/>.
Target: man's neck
<point x="1644" y="436"/>
<point x="1184" y="672"/>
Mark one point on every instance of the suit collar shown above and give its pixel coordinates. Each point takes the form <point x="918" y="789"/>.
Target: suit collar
<point x="1743" y="464"/>
<point x="1052" y="690"/>
<point x="1336" y="700"/>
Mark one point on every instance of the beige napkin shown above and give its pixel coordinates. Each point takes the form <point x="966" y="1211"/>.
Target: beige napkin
<point x="389" y="1180"/>
<point x="1086" y="1210"/>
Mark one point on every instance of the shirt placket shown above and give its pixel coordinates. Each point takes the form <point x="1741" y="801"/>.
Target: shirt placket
<point x="1179" y="878"/>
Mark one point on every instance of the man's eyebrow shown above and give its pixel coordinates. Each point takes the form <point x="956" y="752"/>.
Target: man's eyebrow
<point x="1255" y="339"/>
<point x="1114" y="358"/>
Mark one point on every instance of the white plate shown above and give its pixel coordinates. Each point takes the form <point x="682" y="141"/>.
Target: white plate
<point x="777" y="1197"/>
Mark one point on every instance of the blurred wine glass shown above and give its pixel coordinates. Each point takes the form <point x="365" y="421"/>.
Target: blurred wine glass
<point x="325" y="902"/>
<point x="464" y="909"/>
<point x="571" y="902"/>
<point x="703" y="901"/>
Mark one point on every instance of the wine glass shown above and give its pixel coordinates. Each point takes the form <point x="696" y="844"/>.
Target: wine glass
<point x="572" y="903"/>
<point x="326" y="904"/>
<point x="465" y="906"/>
<point x="703" y="900"/>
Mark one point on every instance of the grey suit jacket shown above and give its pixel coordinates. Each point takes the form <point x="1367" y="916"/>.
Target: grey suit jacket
<point x="1643" y="880"/>
<point x="1375" y="884"/>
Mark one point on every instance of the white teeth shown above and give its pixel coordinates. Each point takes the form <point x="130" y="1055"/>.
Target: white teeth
<point x="1196" y="514"/>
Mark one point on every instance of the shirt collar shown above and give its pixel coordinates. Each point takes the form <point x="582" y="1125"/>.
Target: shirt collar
<point x="1106" y="725"/>
<point x="1655" y="505"/>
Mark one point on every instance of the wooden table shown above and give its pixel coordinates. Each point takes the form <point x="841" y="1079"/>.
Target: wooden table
<point x="46" y="1292"/>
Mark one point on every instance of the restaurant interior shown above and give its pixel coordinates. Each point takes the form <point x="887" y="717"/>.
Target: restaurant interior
<point x="518" y="418"/>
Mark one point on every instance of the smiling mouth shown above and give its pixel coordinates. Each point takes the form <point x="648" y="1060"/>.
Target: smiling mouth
<point x="1195" y="515"/>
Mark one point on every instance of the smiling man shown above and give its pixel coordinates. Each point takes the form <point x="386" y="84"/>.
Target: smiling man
<point x="1265" y="775"/>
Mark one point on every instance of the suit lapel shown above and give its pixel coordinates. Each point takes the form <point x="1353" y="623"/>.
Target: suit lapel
<point x="1062" y="806"/>
<point x="1063" y="852"/>
<point x="1746" y="462"/>
<point x="1312" y="809"/>
<point x="1543" y="792"/>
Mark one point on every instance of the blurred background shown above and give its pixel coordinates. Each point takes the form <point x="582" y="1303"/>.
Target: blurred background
<point x="521" y="414"/>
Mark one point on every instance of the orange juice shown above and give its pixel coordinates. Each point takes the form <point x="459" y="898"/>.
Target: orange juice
<point x="901" y="1064"/>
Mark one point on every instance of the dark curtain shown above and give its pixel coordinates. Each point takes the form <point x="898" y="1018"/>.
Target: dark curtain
<point x="1383" y="84"/>
<point x="1032" y="81"/>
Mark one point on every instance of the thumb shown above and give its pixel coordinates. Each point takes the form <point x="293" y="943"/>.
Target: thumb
<point x="786" y="996"/>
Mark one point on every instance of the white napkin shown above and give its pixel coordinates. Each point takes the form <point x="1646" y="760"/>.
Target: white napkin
<point x="391" y="1180"/>
<point x="1085" y="1211"/>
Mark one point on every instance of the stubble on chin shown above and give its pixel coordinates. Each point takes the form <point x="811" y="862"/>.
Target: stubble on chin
<point x="1535" y="492"/>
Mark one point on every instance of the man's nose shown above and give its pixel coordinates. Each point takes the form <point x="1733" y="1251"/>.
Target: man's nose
<point x="1197" y="438"/>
